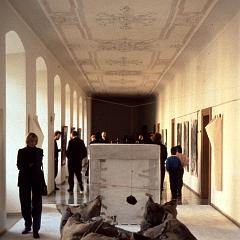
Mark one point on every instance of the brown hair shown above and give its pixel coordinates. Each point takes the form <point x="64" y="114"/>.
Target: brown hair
<point x="32" y="139"/>
<point x="56" y="133"/>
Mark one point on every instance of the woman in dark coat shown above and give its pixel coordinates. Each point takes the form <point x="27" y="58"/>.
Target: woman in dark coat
<point x="29" y="163"/>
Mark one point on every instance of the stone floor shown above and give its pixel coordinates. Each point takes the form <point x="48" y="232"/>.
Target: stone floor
<point x="203" y="221"/>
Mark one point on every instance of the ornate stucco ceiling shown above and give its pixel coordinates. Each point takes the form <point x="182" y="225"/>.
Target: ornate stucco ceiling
<point x="123" y="46"/>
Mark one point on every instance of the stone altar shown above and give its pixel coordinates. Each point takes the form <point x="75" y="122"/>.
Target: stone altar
<point x="120" y="170"/>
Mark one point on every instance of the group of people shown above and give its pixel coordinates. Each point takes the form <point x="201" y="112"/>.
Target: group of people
<point x="99" y="138"/>
<point x="30" y="166"/>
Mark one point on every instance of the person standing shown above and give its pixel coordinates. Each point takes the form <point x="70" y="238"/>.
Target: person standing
<point x="57" y="136"/>
<point x="173" y="166"/>
<point x="184" y="162"/>
<point x="76" y="151"/>
<point x="29" y="164"/>
<point x="157" y="139"/>
<point x="104" y="137"/>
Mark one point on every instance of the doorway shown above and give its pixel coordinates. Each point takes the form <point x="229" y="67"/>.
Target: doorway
<point x="205" y="156"/>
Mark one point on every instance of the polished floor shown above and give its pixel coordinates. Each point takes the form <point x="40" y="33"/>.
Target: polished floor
<point x="203" y="221"/>
<point x="62" y="195"/>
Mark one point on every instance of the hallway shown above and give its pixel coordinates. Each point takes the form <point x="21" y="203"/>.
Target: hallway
<point x="132" y="69"/>
<point x="202" y="220"/>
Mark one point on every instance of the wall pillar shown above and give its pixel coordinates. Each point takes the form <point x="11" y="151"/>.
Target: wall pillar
<point x="50" y="82"/>
<point x="2" y="132"/>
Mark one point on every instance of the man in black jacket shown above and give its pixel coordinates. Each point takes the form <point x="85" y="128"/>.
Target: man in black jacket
<point x="75" y="153"/>
<point x="163" y="155"/>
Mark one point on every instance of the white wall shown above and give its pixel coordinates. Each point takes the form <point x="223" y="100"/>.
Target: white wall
<point x="11" y="21"/>
<point x="15" y="124"/>
<point x="57" y="120"/>
<point x="210" y="79"/>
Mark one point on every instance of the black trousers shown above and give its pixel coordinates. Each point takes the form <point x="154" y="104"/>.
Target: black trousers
<point x="31" y="206"/>
<point x="174" y="181"/>
<point x="55" y="167"/>
<point x="77" y="171"/>
<point x="162" y="176"/>
<point x="180" y="182"/>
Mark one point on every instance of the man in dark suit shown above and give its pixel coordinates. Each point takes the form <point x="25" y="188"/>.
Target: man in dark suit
<point x="75" y="153"/>
<point x="157" y="139"/>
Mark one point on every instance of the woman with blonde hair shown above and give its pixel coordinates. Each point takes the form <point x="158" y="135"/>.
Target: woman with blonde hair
<point x="29" y="163"/>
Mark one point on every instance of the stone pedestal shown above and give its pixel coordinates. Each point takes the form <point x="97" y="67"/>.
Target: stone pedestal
<point x="120" y="170"/>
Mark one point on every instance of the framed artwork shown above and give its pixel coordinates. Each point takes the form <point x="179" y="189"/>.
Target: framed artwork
<point x="64" y="144"/>
<point x="163" y="137"/>
<point x="179" y="134"/>
<point x="154" y="128"/>
<point x="186" y="141"/>
<point x="194" y="150"/>
<point x="79" y="132"/>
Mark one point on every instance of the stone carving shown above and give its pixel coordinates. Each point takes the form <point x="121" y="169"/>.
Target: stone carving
<point x="124" y="81"/>
<point x="191" y="19"/>
<point x="125" y="45"/>
<point x="123" y="62"/>
<point x="84" y="62"/>
<point x="162" y="61"/>
<point x="125" y="19"/>
<point x="60" y="18"/>
<point x="123" y="73"/>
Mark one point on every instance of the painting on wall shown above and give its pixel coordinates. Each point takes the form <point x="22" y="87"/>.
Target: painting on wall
<point x="165" y="137"/>
<point x="194" y="150"/>
<point x="179" y="134"/>
<point x="79" y="133"/>
<point x="186" y="141"/>
<point x="154" y="128"/>
<point x="64" y="144"/>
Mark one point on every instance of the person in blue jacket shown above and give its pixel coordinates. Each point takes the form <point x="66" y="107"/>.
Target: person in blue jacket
<point x="173" y="166"/>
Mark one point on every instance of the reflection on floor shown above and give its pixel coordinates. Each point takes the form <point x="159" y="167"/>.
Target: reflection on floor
<point x="203" y="221"/>
<point x="62" y="195"/>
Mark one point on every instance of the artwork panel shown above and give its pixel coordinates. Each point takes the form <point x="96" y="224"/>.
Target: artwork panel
<point x="186" y="141"/>
<point x="162" y="134"/>
<point x="154" y="128"/>
<point x="179" y="134"/>
<point x="165" y="137"/>
<point x="79" y="133"/>
<point x="194" y="150"/>
<point x="64" y="144"/>
<point x="215" y="133"/>
<point x="34" y="126"/>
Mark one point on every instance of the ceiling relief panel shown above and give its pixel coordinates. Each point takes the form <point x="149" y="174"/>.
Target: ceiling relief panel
<point x="123" y="62"/>
<point x="124" y="46"/>
<point x="125" y="19"/>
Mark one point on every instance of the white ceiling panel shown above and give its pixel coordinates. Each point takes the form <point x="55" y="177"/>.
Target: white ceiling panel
<point x="125" y="43"/>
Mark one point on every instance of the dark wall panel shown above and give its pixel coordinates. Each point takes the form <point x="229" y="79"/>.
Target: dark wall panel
<point x="122" y="116"/>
